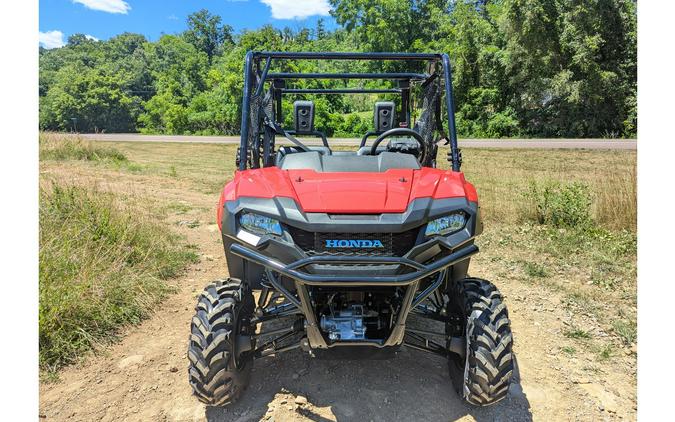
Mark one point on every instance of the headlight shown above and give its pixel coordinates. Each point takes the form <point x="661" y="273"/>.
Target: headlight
<point x="259" y="224"/>
<point x="446" y="225"/>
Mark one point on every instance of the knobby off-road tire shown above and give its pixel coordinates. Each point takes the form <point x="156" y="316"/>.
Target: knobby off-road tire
<point x="483" y="376"/>
<point x="218" y="371"/>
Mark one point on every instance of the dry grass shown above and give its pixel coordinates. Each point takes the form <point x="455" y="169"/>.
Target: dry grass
<point x="616" y="200"/>
<point x="502" y="177"/>
<point x="57" y="146"/>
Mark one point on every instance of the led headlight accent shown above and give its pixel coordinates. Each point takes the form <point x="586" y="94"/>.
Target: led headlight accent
<point x="446" y="225"/>
<point x="259" y="224"/>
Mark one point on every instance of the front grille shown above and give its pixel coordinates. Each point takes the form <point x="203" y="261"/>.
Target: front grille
<point x="393" y="244"/>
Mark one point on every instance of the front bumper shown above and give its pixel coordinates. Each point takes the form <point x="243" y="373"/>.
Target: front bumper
<point x="296" y="271"/>
<point x="293" y="269"/>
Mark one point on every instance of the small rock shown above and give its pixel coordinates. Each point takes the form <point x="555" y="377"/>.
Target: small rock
<point x="173" y="369"/>
<point x="606" y="399"/>
<point x="301" y="400"/>
<point x="208" y="257"/>
<point x="130" y="360"/>
<point x="633" y="349"/>
<point x="296" y="376"/>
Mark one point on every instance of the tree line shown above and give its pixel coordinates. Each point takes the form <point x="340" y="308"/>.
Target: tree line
<point x="527" y="68"/>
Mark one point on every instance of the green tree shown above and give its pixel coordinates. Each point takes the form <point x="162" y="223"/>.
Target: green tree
<point x="207" y="33"/>
<point x="179" y="72"/>
<point x="574" y="62"/>
<point x="97" y="101"/>
<point x="385" y="25"/>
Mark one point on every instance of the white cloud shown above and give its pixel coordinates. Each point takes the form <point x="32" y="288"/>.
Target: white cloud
<point x="110" y="6"/>
<point x="297" y="9"/>
<point x="51" y="39"/>
<point x="91" y="37"/>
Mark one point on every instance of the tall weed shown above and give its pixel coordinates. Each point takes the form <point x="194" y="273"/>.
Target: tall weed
<point x="59" y="147"/>
<point x="103" y="264"/>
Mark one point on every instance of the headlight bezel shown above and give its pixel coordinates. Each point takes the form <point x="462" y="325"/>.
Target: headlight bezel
<point x="258" y="224"/>
<point x="445" y="225"/>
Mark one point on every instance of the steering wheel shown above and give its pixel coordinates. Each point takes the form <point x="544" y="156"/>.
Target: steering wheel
<point x="400" y="131"/>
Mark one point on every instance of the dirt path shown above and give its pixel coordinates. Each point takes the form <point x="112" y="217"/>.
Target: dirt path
<point x="144" y="377"/>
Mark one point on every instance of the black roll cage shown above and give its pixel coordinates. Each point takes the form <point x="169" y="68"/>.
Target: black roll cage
<point x="254" y="59"/>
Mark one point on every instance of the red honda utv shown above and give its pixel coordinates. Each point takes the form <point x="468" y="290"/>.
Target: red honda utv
<point x="342" y="246"/>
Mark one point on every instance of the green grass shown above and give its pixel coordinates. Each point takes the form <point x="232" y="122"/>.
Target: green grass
<point x="569" y="350"/>
<point x="104" y="261"/>
<point x="605" y="352"/>
<point x="178" y="207"/>
<point x="577" y="333"/>
<point x="627" y="331"/>
<point x="534" y="269"/>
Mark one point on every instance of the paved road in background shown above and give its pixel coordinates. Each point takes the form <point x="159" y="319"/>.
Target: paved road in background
<point x="464" y="143"/>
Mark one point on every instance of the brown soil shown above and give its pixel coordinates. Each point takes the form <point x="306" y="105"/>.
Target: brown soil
<point x="144" y="376"/>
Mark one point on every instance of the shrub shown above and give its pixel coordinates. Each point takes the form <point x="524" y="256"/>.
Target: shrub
<point x="354" y="125"/>
<point x="561" y="205"/>
<point x="102" y="265"/>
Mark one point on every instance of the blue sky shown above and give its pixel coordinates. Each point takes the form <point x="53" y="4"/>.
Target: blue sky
<point x="102" y="19"/>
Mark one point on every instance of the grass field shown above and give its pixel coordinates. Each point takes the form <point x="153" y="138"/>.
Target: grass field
<point x="561" y="220"/>
<point x="104" y="258"/>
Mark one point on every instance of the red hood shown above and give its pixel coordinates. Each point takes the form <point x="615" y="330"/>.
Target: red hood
<point x="350" y="193"/>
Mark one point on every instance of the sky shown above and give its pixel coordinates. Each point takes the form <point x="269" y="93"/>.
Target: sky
<point x="102" y="19"/>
